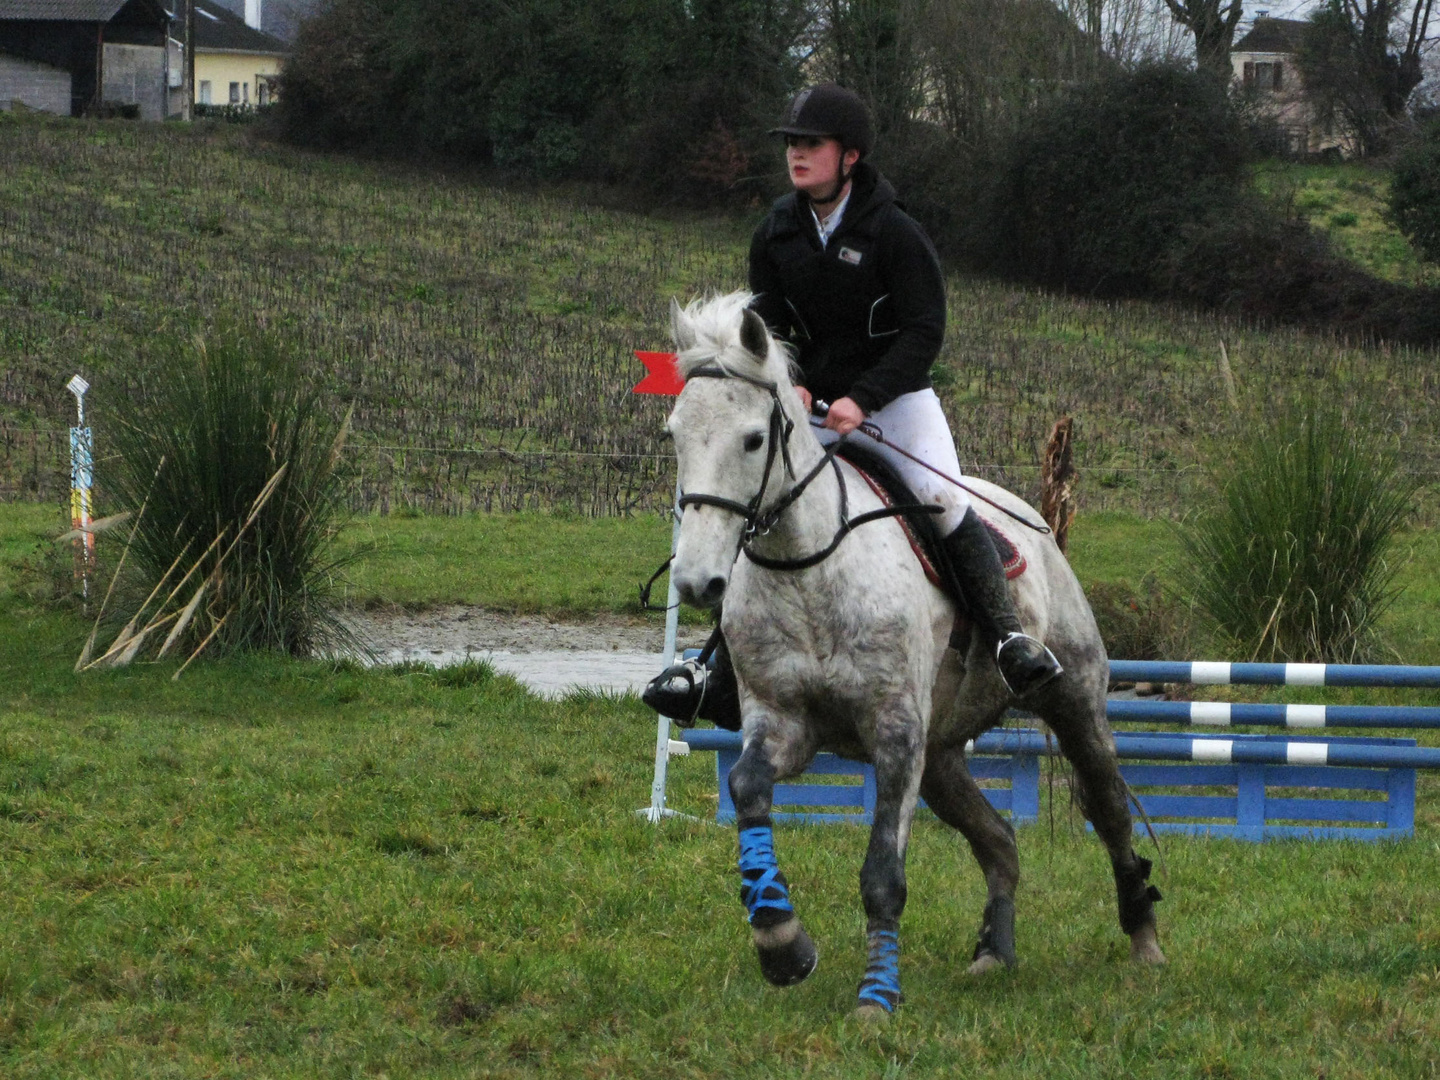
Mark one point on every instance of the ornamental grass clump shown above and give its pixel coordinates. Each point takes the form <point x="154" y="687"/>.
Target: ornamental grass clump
<point x="1291" y="560"/>
<point x="227" y="460"/>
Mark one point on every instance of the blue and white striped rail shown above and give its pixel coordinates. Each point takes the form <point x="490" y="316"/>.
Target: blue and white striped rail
<point x="1251" y="787"/>
<point x="1224" y="714"/>
<point x="1385" y="754"/>
<point x="1213" y="673"/>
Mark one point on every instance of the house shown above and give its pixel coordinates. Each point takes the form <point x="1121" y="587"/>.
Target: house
<point x="1264" y="67"/>
<point x="74" y="57"/>
<point x="235" y="62"/>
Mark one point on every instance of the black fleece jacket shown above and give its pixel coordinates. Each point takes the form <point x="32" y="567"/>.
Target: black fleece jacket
<point x="867" y="312"/>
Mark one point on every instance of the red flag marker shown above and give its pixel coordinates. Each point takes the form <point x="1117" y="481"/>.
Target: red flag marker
<point x="663" y="378"/>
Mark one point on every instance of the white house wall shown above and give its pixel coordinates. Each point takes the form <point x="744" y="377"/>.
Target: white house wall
<point x="135" y="75"/>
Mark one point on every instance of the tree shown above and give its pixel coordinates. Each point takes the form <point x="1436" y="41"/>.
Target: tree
<point x="1360" y="60"/>
<point x="1213" y="24"/>
<point x="872" y="50"/>
<point x="1415" y="192"/>
<point x="989" y="63"/>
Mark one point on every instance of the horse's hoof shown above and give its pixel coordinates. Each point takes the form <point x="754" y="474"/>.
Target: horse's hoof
<point x="1145" y="946"/>
<point x="986" y="961"/>
<point x="997" y="936"/>
<point x="787" y="955"/>
<point x="871" y="1015"/>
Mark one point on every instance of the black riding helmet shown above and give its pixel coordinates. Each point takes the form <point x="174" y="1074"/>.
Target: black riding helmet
<point x="829" y="111"/>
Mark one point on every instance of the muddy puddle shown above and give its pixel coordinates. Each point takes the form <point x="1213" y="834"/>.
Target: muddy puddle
<point x="551" y="657"/>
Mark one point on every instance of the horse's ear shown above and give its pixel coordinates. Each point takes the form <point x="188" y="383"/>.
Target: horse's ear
<point x="753" y="335"/>
<point x="681" y="329"/>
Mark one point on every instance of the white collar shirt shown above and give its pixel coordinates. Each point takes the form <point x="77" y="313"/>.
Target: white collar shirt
<point x="827" y="228"/>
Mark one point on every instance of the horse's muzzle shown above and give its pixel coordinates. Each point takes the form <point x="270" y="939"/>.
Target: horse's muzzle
<point x="702" y="594"/>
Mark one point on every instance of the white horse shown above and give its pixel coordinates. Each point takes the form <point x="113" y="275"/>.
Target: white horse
<point x="851" y="653"/>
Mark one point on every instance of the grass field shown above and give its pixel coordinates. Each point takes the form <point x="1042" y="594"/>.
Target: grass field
<point x="1347" y="202"/>
<point x="274" y="868"/>
<point x="484" y="334"/>
<point x="288" y="869"/>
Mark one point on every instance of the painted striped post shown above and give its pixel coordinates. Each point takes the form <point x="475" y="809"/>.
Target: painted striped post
<point x="82" y="464"/>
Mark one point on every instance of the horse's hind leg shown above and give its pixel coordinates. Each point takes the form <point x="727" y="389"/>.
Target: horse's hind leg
<point x="1103" y="797"/>
<point x="951" y="792"/>
<point x="786" y="953"/>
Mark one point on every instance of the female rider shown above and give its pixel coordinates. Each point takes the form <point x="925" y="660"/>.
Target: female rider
<point x="841" y="272"/>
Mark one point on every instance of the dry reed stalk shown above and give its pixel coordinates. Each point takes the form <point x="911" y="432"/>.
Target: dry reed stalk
<point x="185" y="616"/>
<point x="128" y="642"/>
<point x="95" y="527"/>
<point x="201" y="647"/>
<point x="128" y="633"/>
<point x="83" y="661"/>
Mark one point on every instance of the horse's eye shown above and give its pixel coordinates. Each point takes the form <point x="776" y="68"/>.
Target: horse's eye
<point x="754" y="441"/>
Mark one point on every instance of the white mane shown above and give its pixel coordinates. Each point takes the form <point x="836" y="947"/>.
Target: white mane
<point x="715" y="323"/>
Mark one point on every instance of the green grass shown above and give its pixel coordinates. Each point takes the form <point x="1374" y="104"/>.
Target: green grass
<point x="521" y="562"/>
<point x="1347" y="203"/>
<point x="282" y="868"/>
<point x="276" y="868"/>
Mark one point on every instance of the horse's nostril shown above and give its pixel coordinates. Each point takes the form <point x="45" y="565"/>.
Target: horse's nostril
<point x="715" y="590"/>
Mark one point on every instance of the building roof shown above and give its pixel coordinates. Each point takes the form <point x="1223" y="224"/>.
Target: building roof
<point x="61" y="10"/>
<point x="1272" y="36"/>
<point x="217" y="28"/>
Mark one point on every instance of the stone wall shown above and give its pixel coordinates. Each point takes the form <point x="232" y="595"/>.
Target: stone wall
<point x="36" y="85"/>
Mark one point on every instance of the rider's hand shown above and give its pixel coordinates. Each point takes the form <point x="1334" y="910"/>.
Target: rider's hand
<point x="845" y="416"/>
<point x="805" y="397"/>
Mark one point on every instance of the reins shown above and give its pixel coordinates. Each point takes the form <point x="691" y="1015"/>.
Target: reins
<point x="757" y="523"/>
<point x="821" y="408"/>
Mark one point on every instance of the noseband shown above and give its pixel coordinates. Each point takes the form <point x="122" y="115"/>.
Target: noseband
<point x="757" y="523"/>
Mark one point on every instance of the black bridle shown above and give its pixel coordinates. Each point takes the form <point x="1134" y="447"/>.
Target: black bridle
<point x="758" y="523"/>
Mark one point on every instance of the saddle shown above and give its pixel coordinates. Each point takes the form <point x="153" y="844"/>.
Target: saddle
<point x="923" y="532"/>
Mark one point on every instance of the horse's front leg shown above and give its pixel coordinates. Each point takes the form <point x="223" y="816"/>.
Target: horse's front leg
<point x="787" y="955"/>
<point x="899" y="763"/>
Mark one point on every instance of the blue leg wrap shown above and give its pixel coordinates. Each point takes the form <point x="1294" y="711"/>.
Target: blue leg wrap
<point x="881" y="984"/>
<point x="762" y="886"/>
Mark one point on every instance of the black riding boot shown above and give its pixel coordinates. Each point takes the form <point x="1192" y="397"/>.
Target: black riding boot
<point x="1025" y="663"/>
<point x="691" y="690"/>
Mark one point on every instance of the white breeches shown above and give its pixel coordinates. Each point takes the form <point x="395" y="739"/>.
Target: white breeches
<point x="916" y="423"/>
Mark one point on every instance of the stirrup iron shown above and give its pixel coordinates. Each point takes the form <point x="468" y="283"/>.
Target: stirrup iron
<point x="678" y="692"/>
<point x="1025" y="664"/>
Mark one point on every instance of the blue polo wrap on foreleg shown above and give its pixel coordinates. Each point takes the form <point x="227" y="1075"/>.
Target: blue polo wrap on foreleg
<point x="881" y="984"/>
<point x="762" y="886"/>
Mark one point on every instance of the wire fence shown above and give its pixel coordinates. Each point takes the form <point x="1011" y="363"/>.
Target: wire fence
<point x="387" y="478"/>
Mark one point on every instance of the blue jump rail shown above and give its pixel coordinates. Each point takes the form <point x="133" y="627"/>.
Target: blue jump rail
<point x="1249" y="787"/>
<point x="1224" y="713"/>
<point x="1212" y="673"/>
<point x="1369" y="754"/>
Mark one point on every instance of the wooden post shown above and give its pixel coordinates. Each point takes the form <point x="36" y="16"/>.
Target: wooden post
<point x="1057" y="478"/>
<point x="187" y="94"/>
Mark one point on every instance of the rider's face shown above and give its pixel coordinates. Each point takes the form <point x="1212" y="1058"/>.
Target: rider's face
<point x="814" y="163"/>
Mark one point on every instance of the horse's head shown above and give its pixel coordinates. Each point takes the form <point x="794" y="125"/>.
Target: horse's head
<point x="733" y="426"/>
